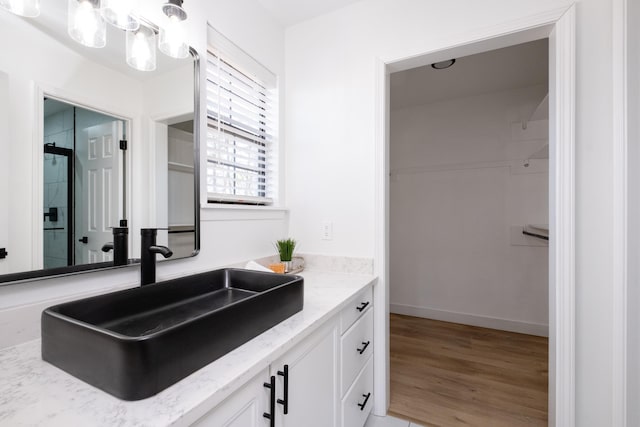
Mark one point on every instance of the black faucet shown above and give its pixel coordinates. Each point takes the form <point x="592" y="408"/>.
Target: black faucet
<point x="119" y="245"/>
<point x="148" y="251"/>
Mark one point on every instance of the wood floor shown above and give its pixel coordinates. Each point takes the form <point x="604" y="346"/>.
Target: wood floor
<point x="446" y="374"/>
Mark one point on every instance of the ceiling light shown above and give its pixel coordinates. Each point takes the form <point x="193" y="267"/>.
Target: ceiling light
<point x="27" y="8"/>
<point x="443" y="64"/>
<point x="85" y="24"/>
<point x="120" y="13"/>
<point x="141" y="48"/>
<point x="172" y="40"/>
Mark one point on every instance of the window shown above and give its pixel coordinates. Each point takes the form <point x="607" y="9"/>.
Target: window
<point x="241" y="126"/>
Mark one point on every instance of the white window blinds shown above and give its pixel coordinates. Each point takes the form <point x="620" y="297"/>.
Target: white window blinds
<point x="241" y="132"/>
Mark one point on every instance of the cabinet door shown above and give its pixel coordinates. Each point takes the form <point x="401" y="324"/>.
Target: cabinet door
<point x="244" y="408"/>
<point x="312" y="376"/>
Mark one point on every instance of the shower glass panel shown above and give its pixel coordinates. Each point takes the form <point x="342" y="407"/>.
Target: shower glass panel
<point x="58" y="188"/>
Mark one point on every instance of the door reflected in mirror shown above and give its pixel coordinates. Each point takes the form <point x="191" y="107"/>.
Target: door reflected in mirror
<point x="181" y="233"/>
<point x="83" y="192"/>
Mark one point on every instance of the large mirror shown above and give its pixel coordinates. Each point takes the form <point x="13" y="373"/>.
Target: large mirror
<point x="91" y="145"/>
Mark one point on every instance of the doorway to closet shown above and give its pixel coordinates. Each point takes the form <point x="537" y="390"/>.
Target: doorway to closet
<point x="468" y="239"/>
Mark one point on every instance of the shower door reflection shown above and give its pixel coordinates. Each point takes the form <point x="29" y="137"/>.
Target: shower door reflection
<point x="58" y="188"/>
<point x="83" y="184"/>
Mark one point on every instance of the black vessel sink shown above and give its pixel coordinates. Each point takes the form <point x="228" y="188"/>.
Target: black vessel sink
<point x="135" y="343"/>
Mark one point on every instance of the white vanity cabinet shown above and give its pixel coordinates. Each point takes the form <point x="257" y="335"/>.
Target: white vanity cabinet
<point x="324" y="381"/>
<point x="244" y="408"/>
<point x="307" y="381"/>
<point x="356" y="360"/>
<point x="305" y="389"/>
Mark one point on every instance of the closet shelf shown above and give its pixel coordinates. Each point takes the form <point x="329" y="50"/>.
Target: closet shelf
<point x="541" y="112"/>
<point x="180" y="167"/>
<point x="542" y="153"/>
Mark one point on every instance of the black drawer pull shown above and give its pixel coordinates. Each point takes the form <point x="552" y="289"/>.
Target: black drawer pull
<point x="366" y="344"/>
<point x="366" y="399"/>
<point x="272" y="405"/>
<point x="285" y="393"/>
<point x="363" y="306"/>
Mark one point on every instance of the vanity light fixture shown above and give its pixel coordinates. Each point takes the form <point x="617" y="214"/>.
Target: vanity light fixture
<point x="443" y="64"/>
<point x="85" y="24"/>
<point x="172" y="40"/>
<point x="141" y="48"/>
<point x="26" y="8"/>
<point x="120" y="14"/>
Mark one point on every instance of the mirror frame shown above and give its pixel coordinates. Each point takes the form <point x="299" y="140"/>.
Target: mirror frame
<point x="196" y="150"/>
<point x="52" y="273"/>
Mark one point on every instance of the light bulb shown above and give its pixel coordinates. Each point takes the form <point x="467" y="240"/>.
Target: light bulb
<point x="27" y="8"/>
<point x="17" y="7"/>
<point x="172" y="38"/>
<point x="141" y="49"/>
<point x="85" y="24"/>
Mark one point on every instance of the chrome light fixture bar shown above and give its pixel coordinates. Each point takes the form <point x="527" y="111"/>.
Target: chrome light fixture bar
<point x="120" y="14"/>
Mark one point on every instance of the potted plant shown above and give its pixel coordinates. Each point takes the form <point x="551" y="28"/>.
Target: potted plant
<point x="285" y="248"/>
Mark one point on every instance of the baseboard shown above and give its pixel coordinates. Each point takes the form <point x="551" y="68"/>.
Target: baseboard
<point x="472" y="319"/>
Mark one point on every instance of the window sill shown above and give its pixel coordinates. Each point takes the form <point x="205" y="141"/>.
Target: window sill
<point x="221" y="212"/>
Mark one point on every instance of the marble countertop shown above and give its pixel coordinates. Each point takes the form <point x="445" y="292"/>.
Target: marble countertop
<point x="35" y="393"/>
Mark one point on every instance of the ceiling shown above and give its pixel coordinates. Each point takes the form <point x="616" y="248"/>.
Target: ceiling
<point x="497" y="70"/>
<point x="291" y="12"/>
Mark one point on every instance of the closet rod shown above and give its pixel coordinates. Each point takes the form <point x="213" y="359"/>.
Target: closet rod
<point x="539" y="236"/>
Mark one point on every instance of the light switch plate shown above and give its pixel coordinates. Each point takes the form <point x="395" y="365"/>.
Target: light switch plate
<point x="327" y="230"/>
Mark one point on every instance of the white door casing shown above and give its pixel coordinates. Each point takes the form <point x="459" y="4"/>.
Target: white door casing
<point x="558" y="25"/>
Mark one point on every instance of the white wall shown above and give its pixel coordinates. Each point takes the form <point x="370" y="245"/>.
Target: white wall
<point x="458" y="186"/>
<point x="330" y="151"/>
<point x="228" y="235"/>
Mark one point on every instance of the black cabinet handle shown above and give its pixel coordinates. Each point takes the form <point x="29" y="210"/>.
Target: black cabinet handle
<point x="3" y="253"/>
<point x="84" y="240"/>
<point x="272" y="405"/>
<point x="366" y="399"/>
<point x="366" y="344"/>
<point x="362" y="306"/>
<point x="285" y="393"/>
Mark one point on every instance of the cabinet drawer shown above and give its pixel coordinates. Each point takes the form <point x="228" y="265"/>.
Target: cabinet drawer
<point x="356" y="347"/>
<point x="358" y="402"/>
<point x="356" y="309"/>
